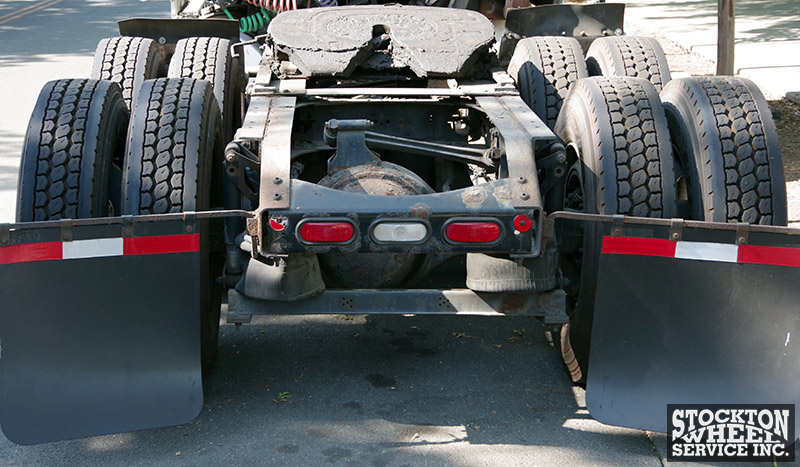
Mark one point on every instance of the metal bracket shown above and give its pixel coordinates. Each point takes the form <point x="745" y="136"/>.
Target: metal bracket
<point x="66" y="230"/>
<point x="127" y="226"/>
<point x="189" y="222"/>
<point x="676" y="229"/>
<point x="276" y="155"/>
<point x="554" y="166"/>
<point x="520" y="128"/>
<point x="350" y="140"/>
<point x="237" y="160"/>
<point x="253" y="229"/>
<point x="5" y="234"/>
<point x="617" y="225"/>
<point x="742" y="233"/>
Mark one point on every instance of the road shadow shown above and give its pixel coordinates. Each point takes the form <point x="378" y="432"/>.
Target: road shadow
<point x="69" y="28"/>
<point x="377" y="391"/>
<point x="780" y="18"/>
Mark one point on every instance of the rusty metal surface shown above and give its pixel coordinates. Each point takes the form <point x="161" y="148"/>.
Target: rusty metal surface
<point x="335" y="41"/>
<point x="275" y="154"/>
<point x="255" y="120"/>
<point x="520" y="128"/>
<point x="486" y="200"/>
<point x="548" y="305"/>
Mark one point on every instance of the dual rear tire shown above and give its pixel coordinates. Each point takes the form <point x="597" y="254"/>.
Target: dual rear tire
<point x="80" y="129"/>
<point x="642" y="144"/>
<point x="705" y="149"/>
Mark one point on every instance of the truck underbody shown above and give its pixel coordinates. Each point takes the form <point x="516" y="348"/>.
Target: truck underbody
<point x="392" y="159"/>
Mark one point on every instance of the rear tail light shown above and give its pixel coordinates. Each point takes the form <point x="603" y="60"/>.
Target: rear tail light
<point x="399" y="232"/>
<point x="472" y="232"/>
<point x="327" y="232"/>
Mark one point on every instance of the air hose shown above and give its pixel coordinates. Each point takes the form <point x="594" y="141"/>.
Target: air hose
<point x="277" y="6"/>
<point x="252" y="23"/>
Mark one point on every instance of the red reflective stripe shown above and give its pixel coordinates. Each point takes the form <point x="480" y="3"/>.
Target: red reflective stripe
<point x="772" y="255"/>
<point x="161" y="244"/>
<point x="638" y="246"/>
<point x="28" y="252"/>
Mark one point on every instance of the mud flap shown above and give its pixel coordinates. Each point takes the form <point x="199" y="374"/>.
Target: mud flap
<point x="99" y="334"/>
<point x="698" y="321"/>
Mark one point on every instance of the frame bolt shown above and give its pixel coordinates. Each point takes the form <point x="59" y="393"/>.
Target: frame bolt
<point x="524" y="195"/>
<point x="276" y="196"/>
<point x="231" y="157"/>
<point x="522" y="180"/>
<point x="676" y="236"/>
<point x="277" y="180"/>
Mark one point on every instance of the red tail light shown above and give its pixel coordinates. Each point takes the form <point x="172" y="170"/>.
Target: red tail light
<point x="327" y="232"/>
<point x="472" y="232"/>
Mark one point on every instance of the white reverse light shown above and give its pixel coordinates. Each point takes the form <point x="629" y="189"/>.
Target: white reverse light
<point x="399" y="232"/>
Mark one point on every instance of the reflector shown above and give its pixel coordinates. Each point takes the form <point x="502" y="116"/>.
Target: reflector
<point x="472" y="232"/>
<point x="399" y="232"/>
<point x="326" y="232"/>
<point x="523" y="223"/>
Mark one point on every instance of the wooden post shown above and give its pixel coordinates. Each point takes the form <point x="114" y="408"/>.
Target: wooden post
<point x="725" y="37"/>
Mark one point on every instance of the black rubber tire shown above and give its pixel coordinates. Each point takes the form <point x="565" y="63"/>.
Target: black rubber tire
<point x="209" y="58"/>
<point x="637" y="57"/>
<point x="617" y="137"/>
<point x="174" y="138"/>
<point x="544" y="68"/>
<point x="76" y="132"/>
<point x="128" y="61"/>
<point x="727" y="147"/>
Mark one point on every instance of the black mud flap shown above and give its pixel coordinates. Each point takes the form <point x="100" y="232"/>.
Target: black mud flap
<point x="711" y="319"/>
<point x="100" y="333"/>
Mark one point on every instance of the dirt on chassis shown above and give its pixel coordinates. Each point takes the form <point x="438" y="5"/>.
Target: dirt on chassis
<point x="366" y="168"/>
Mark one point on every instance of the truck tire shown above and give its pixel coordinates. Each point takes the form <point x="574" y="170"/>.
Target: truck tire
<point x="637" y="57"/>
<point x="727" y="148"/>
<point x="76" y="132"/>
<point x="617" y="139"/>
<point x="544" y="68"/>
<point x="209" y="58"/>
<point x="128" y="61"/>
<point x="174" y="137"/>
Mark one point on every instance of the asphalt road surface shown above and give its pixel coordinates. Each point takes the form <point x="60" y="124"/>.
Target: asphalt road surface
<point x="374" y="391"/>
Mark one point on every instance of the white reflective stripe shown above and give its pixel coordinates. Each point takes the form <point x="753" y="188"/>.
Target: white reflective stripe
<point x="94" y="248"/>
<point x="707" y="251"/>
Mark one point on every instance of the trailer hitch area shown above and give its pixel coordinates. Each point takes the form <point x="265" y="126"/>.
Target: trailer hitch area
<point x="693" y="312"/>
<point x="99" y="327"/>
